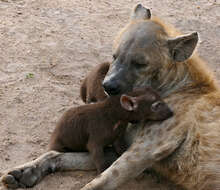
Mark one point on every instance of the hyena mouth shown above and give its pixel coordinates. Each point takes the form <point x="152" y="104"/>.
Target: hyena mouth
<point x="112" y="92"/>
<point x="111" y="88"/>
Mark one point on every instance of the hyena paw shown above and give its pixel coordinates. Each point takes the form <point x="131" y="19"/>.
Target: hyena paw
<point x="21" y="177"/>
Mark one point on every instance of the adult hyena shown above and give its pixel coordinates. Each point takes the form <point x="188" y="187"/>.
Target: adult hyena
<point x="185" y="148"/>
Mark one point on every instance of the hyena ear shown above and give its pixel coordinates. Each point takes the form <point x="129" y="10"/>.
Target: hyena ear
<point x="128" y="103"/>
<point x="140" y="12"/>
<point x="182" y="47"/>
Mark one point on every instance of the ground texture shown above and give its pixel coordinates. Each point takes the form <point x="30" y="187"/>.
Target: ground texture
<point x="46" y="49"/>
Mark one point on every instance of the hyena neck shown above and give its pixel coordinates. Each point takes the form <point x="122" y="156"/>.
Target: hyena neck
<point x="181" y="76"/>
<point x="174" y="78"/>
<point x="169" y="80"/>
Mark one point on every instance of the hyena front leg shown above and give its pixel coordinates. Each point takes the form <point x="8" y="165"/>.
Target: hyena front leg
<point x="149" y="148"/>
<point x="29" y="174"/>
<point x="33" y="172"/>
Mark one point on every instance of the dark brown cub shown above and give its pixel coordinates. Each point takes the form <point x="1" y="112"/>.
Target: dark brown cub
<point x="91" y="89"/>
<point x="92" y="127"/>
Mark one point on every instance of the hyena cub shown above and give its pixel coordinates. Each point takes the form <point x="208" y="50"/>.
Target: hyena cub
<point x="93" y="126"/>
<point x="91" y="89"/>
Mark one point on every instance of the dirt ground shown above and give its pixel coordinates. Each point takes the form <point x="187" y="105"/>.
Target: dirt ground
<point x="46" y="49"/>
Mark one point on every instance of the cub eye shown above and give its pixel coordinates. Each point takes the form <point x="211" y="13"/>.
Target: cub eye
<point x="156" y="106"/>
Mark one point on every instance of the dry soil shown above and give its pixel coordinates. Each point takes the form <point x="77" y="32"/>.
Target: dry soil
<point x="46" y="49"/>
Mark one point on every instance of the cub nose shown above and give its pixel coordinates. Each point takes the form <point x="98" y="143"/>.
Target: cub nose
<point x="111" y="87"/>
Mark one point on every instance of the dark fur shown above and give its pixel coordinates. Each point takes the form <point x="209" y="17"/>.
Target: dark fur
<point x="91" y="89"/>
<point x="94" y="126"/>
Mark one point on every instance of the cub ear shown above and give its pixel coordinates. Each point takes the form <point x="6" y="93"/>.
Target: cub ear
<point x="128" y="103"/>
<point x="140" y="12"/>
<point x="182" y="47"/>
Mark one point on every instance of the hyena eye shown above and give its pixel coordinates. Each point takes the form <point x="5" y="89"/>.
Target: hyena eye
<point x="138" y="65"/>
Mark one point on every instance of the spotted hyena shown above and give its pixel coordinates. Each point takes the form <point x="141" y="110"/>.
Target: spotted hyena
<point x="184" y="148"/>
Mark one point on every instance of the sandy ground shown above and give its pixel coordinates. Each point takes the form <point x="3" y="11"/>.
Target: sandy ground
<point x="48" y="46"/>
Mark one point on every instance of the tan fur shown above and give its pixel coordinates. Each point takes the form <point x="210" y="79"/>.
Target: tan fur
<point x="196" y="164"/>
<point x="200" y="73"/>
<point x="199" y="117"/>
<point x="196" y="67"/>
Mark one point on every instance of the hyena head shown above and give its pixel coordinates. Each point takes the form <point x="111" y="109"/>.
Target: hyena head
<point x="144" y="54"/>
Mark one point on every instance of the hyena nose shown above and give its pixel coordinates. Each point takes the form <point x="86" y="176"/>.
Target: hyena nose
<point x="111" y="87"/>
